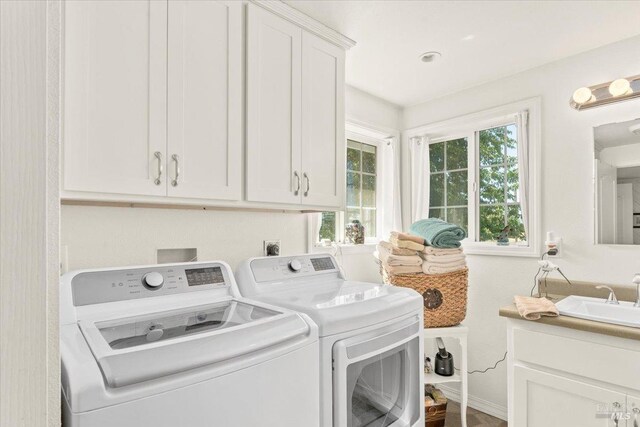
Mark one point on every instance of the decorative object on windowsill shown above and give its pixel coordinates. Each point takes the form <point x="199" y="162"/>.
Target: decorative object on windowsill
<point x="503" y="238"/>
<point x="354" y="232"/>
<point x="606" y="93"/>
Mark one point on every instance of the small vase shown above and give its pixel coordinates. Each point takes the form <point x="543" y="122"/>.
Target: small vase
<point x="354" y="232"/>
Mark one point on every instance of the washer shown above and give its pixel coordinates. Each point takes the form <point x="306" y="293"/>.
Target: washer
<point x="176" y="345"/>
<point x="371" y="367"/>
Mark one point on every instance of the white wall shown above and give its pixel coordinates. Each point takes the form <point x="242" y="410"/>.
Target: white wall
<point x="567" y="192"/>
<point x="29" y="208"/>
<point x="370" y="109"/>
<point x="112" y="236"/>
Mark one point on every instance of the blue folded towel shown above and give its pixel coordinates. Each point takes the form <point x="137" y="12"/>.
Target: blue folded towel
<point x="438" y="233"/>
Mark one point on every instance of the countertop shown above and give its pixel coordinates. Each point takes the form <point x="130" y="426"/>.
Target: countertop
<point x="584" y="289"/>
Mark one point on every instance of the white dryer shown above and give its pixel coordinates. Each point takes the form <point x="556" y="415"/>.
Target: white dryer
<point x="176" y="346"/>
<point x="371" y="367"/>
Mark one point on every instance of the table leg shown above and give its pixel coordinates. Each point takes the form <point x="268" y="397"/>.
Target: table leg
<point x="463" y="383"/>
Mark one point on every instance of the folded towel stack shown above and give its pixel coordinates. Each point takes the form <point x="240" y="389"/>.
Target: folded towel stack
<point x="400" y="254"/>
<point x="440" y="261"/>
<point x="433" y="252"/>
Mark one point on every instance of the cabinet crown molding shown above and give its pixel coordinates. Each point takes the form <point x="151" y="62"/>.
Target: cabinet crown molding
<point x="306" y="22"/>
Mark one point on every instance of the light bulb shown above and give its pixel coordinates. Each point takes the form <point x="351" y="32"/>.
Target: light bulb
<point x="582" y="96"/>
<point x="620" y="87"/>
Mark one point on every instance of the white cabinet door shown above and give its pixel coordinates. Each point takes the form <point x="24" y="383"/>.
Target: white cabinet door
<point x="204" y="99"/>
<point x="323" y="138"/>
<point x="273" y="108"/>
<point x="115" y="96"/>
<point x="547" y="400"/>
<point x="633" y="411"/>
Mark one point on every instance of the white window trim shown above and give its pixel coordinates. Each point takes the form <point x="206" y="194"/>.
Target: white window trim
<point x="466" y="126"/>
<point x="361" y="132"/>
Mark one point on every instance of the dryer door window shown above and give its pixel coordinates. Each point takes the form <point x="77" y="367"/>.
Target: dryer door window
<point x="375" y="383"/>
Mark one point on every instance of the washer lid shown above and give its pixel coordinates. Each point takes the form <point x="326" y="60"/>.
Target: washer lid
<point x="141" y="348"/>
<point x="338" y="305"/>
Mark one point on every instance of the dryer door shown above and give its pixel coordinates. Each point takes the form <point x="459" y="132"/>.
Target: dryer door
<point x="377" y="378"/>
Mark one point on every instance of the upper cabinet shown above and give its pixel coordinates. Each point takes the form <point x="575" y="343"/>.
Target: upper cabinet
<point x="115" y="84"/>
<point x="204" y="99"/>
<point x="153" y="98"/>
<point x="157" y="104"/>
<point x="295" y="114"/>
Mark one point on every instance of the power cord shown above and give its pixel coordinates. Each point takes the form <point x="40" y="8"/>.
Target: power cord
<point x="483" y="371"/>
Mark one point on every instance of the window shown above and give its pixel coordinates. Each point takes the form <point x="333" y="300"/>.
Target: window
<point x="449" y="181"/>
<point x="498" y="178"/>
<point x="474" y="176"/>
<point x="361" y="193"/>
<point x="361" y="185"/>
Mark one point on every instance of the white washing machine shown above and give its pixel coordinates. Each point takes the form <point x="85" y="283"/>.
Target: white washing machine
<point x="176" y="346"/>
<point x="371" y="367"/>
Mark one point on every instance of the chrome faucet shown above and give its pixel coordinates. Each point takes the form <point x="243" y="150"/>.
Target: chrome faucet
<point x="636" y="280"/>
<point x="611" y="299"/>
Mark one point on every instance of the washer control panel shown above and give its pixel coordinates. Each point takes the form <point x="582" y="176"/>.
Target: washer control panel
<point x="97" y="287"/>
<point x="279" y="268"/>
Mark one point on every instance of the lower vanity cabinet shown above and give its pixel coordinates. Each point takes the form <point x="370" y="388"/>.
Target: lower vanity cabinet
<point x="563" y="377"/>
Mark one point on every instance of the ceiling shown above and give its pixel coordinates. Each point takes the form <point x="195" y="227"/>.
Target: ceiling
<point x="480" y="41"/>
<point x="616" y="134"/>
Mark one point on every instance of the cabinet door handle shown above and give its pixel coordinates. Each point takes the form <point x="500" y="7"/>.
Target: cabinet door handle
<point x="306" y="192"/>
<point x="175" y="159"/>
<point x="158" y="156"/>
<point x="297" y="176"/>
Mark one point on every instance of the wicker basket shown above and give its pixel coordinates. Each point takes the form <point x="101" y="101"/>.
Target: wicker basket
<point x="445" y="295"/>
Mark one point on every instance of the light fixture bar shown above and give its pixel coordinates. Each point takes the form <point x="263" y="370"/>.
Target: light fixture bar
<point x="606" y="93"/>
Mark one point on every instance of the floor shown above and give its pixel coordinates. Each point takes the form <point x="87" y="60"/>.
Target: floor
<point x="474" y="418"/>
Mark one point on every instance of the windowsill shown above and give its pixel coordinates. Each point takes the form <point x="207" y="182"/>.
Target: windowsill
<point x="492" y="249"/>
<point x="346" y="248"/>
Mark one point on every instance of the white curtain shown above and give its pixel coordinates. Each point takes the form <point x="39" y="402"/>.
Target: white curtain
<point x="522" y="121"/>
<point x="420" y="178"/>
<point x="390" y="206"/>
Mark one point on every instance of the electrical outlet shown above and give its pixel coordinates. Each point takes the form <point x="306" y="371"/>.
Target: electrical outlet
<point x="271" y="247"/>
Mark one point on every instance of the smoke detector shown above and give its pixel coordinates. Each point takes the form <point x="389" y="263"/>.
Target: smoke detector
<point x="430" y="56"/>
<point x="635" y="129"/>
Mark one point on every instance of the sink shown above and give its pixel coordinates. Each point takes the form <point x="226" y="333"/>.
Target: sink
<point x="595" y="309"/>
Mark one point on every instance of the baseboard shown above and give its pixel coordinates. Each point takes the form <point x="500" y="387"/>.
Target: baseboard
<point x="476" y="403"/>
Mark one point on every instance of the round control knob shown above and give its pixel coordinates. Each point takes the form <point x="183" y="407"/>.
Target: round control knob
<point x="295" y="265"/>
<point x="153" y="280"/>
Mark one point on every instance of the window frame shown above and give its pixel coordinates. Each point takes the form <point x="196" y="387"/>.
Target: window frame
<point x="469" y="126"/>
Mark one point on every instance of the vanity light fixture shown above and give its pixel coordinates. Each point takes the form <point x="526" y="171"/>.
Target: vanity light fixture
<point x="606" y="93"/>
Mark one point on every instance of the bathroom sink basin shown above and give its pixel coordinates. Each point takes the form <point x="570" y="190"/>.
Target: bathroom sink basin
<point x="596" y="309"/>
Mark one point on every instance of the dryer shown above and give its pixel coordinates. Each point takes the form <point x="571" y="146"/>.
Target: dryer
<point x="176" y="345"/>
<point x="371" y="344"/>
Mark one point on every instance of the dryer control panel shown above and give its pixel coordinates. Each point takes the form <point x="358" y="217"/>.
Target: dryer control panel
<point x="97" y="287"/>
<point x="271" y="269"/>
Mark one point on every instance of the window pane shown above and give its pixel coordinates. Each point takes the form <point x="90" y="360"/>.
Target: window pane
<point x="457" y="154"/>
<point x="512" y="184"/>
<point x="491" y="222"/>
<point x="369" y="222"/>
<point x="457" y="188"/>
<point x="436" y="156"/>
<point x="492" y="185"/>
<point x="351" y="215"/>
<point x="512" y="144"/>
<point x="437" y="213"/>
<point x="492" y="146"/>
<point x="515" y="222"/>
<point x="458" y="216"/>
<point x="369" y="191"/>
<point x="353" y="159"/>
<point x="436" y="188"/>
<point x="353" y="189"/>
<point x="328" y="226"/>
<point x="368" y="158"/>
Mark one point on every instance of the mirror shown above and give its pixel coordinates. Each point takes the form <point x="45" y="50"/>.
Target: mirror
<point x="617" y="183"/>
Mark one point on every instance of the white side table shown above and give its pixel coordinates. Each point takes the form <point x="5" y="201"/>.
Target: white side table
<point x="459" y="332"/>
